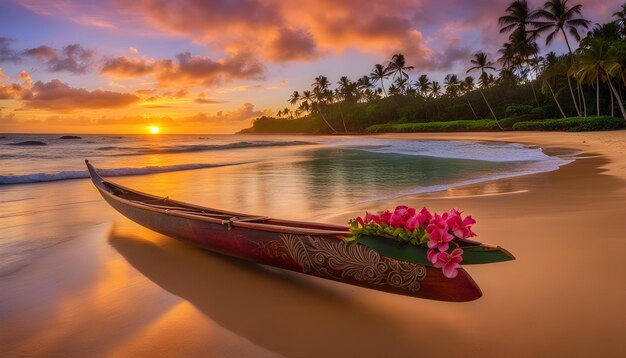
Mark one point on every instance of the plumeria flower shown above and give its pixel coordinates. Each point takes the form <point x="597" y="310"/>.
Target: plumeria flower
<point x="372" y="217"/>
<point x="449" y="262"/>
<point x="461" y="228"/>
<point x="360" y="221"/>
<point x="385" y="217"/>
<point x="432" y="255"/>
<point x="424" y="217"/>
<point x="439" y="236"/>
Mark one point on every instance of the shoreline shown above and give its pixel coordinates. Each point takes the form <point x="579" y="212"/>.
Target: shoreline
<point x="142" y="288"/>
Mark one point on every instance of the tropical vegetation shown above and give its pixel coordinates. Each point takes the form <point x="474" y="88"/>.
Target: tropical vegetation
<point x="584" y="86"/>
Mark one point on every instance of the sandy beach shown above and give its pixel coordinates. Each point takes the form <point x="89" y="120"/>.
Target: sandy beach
<point x="120" y="290"/>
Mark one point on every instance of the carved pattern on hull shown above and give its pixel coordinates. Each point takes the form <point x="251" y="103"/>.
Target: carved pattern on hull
<point x="337" y="260"/>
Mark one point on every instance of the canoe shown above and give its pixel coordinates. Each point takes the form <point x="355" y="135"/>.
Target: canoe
<point x="309" y="248"/>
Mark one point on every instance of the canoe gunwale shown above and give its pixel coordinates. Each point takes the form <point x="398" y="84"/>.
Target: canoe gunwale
<point x="290" y="227"/>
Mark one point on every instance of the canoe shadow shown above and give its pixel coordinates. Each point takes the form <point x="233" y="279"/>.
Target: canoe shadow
<point x="284" y="312"/>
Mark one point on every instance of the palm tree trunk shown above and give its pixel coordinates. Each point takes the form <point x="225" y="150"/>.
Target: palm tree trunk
<point x="472" y="108"/>
<point x="571" y="91"/>
<point x="618" y="98"/>
<point x="491" y="110"/>
<point x="532" y="86"/>
<point x="598" y="95"/>
<point x="612" y="105"/>
<point x="325" y="121"/>
<point x="382" y="84"/>
<point x="343" y="120"/>
<point x="581" y="98"/>
<point x="555" y="100"/>
<point x="569" y="83"/>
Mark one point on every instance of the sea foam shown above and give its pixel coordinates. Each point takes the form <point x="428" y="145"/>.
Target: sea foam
<point x="80" y="174"/>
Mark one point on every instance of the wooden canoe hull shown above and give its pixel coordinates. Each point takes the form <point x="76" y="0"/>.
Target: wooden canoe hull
<point x="325" y="256"/>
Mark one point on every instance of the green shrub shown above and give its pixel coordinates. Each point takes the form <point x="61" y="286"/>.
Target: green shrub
<point x="478" y="125"/>
<point x="572" y="124"/>
<point x="516" y="110"/>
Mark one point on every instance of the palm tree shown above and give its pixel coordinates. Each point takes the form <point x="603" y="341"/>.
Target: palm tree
<point x="321" y="96"/>
<point x="402" y="84"/>
<point x="558" y="17"/>
<point x="481" y="63"/>
<point x="365" y="86"/>
<point x="295" y="98"/>
<point x="518" y="17"/>
<point x="423" y="85"/>
<point x="435" y="89"/>
<point x="345" y="92"/>
<point x="466" y="86"/>
<point x="599" y="61"/>
<point x="551" y="68"/>
<point x="397" y="66"/>
<point x="394" y="90"/>
<point x="379" y="74"/>
<point x="451" y="84"/>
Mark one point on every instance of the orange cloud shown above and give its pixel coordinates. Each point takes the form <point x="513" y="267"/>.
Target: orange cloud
<point x="130" y="67"/>
<point x="58" y="96"/>
<point x="186" y="69"/>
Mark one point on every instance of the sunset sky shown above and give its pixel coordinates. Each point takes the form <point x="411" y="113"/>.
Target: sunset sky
<point x="194" y="66"/>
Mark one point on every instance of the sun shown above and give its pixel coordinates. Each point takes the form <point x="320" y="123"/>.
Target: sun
<point x="154" y="129"/>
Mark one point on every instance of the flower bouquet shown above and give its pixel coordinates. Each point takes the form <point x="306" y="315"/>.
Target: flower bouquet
<point x="422" y="229"/>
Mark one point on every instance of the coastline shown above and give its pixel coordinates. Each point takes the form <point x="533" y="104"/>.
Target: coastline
<point x="558" y="298"/>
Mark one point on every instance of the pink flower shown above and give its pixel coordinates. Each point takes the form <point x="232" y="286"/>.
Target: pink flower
<point x="412" y="223"/>
<point x="424" y="217"/>
<point x="405" y="212"/>
<point x="396" y="220"/>
<point x="400" y="215"/>
<point x="449" y="262"/>
<point x="432" y="255"/>
<point x="371" y="217"/>
<point x="461" y="228"/>
<point x="360" y="220"/>
<point x="438" y="234"/>
<point x="385" y="216"/>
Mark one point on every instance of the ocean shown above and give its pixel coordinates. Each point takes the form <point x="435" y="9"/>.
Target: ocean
<point x="45" y="198"/>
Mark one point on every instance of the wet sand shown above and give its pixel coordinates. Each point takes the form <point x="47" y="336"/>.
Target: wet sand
<point x="120" y="290"/>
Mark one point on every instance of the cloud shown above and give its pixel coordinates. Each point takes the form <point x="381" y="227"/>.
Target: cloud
<point x="276" y="31"/>
<point x="207" y="101"/>
<point x="127" y="67"/>
<point x="10" y="90"/>
<point x="186" y="69"/>
<point x="7" y="54"/>
<point x="292" y="44"/>
<point x="245" y="112"/>
<point x="133" y="50"/>
<point x="72" y="58"/>
<point x="25" y="77"/>
<point x="58" y="96"/>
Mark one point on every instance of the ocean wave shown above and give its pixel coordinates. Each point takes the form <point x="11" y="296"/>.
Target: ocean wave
<point x="28" y="143"/>
<point x="485" y="151"/>
<point x="552" y="164"/>
<point x="81" y="174"/>
<point x="198" y="147"/>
